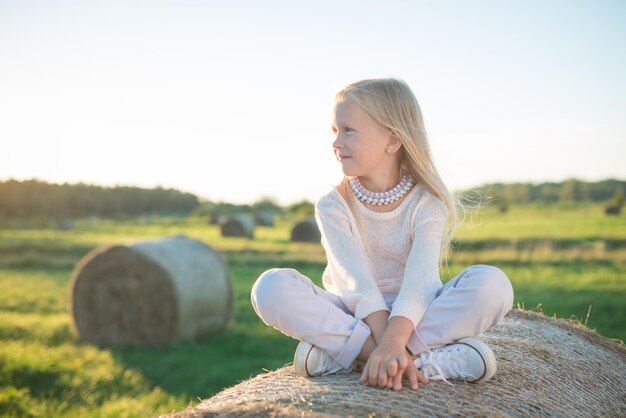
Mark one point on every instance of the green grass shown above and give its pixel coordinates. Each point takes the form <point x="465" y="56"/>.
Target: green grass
<point x="46" y="371"/>
<point x="575" y="221"/>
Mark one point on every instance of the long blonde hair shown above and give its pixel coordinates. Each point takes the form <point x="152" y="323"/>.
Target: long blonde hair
<point x="391" y="103"/>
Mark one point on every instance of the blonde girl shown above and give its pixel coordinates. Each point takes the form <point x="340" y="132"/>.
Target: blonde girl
<point x="386" y="229"/>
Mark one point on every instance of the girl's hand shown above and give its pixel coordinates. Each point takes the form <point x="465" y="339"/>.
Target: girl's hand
<point x="412" y="373"/>
<point x="390" y="360"/>
<point x="382" y="365"/>
<point x="387" y="365"/>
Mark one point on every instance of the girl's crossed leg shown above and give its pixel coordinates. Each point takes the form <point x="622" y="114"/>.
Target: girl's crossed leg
<point x="472" y="302"/>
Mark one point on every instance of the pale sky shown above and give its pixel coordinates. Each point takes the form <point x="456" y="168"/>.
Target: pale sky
<point x="232" y="100"/>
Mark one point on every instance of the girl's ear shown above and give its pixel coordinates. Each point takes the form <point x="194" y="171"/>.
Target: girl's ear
<point x="393" y="143"/>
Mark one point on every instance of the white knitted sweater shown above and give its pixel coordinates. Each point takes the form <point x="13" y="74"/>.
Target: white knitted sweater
<point x="391" y="252"/>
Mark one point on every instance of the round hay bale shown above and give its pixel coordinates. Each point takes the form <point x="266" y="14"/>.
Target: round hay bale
<point x="264" y="219"/>
<point x="306" y="231"/>
<point x="151" y="293"/>
<point x="546" y="367"/>
<point x="238" y="226"/>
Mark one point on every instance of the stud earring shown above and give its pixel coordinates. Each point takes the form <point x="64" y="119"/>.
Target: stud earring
<point x="388" y="150"/>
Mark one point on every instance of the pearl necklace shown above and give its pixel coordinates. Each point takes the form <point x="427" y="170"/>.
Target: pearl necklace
<point x="381" y="198"/>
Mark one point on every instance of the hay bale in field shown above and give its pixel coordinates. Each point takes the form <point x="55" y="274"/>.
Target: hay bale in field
<point x="151" y="293"/>
<point x="546" y="367"/>
<point x="238" y="226"/>
<point x="264" y="219"/>
<point x="306" y="231"/>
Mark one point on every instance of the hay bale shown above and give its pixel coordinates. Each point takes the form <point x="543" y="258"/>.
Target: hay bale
<point x="151" y="293"/>
<point x="546" y="367"/>
<point x="238" y="226"/>
<point x="264" y="219"/>
<point x="306" y="231"/>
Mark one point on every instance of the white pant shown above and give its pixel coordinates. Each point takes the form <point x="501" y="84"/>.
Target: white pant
<point x="473" y="301"/>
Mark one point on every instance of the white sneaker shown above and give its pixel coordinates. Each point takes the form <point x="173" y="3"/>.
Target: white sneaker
<point x="310" y="361"/>
<point x="467" y="359"/>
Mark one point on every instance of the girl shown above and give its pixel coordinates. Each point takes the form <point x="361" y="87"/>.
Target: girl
<point x="385" y="229"/>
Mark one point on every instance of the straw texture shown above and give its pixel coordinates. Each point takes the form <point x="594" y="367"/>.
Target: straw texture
<point x="546" y="367"/>
<point x="151" y="293"/>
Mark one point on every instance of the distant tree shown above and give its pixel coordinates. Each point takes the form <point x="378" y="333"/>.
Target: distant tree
<point x="266" y="205"/>
<point x="492" y="194"/>
<point x="36" y="198"/>
<point x="615" y="206"/>
<point x="218" y="211"/>
<point x="303" y="208"/>
<point x="618" y="198"/>
<point x="522" y="193"/>
<point x="605" y="189"/>
<point x="570" y="191"/>
<point x="507" y="196"/>
<point x="549" y="193"/>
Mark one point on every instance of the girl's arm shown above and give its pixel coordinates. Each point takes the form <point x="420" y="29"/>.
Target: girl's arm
<point x="378" y="322"/>
<point x="421" y="279"/>
<point x="346" y="256"/>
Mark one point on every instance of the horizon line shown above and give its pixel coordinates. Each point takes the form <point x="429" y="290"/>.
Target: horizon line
<point x="269" y="196"/>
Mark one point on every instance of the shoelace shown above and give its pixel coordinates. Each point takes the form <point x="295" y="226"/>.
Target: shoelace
<point x="331" y="366"/>
<point x="446" y="361"/>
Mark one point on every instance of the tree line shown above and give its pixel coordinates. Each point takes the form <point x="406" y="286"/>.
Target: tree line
<point x="571" y="190"/>
<point x="36" y="198"/>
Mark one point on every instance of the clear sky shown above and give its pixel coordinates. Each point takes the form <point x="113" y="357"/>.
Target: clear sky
<point x="231" y="100"/>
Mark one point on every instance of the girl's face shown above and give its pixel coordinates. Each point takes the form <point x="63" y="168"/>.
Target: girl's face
<point x="360" y="143"/>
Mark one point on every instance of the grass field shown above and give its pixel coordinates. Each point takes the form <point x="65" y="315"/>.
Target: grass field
<point x="564" y="259"/>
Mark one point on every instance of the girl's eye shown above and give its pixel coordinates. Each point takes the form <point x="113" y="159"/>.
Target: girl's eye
<point x="348" y="129"/>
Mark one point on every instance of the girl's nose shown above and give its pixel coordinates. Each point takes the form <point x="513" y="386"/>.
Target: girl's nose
<point x="337" y="143"/>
